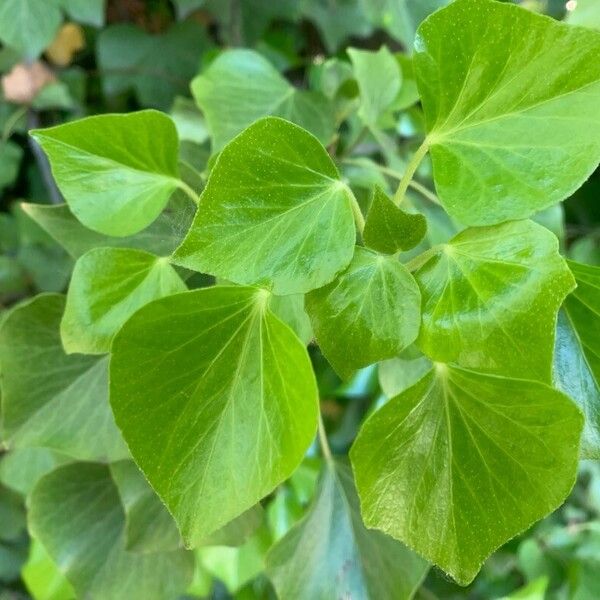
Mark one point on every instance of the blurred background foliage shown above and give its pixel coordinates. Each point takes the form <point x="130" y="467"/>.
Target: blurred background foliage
<point x="65" y="59"/>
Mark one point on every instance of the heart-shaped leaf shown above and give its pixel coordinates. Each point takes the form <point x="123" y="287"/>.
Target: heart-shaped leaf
<point x="461" y="462"/>
<point x="219" y="385"/>
<point x="511" y="104"/>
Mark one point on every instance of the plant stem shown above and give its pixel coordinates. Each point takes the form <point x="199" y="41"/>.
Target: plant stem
<point x="359" y="219"/>
<point x="188" y="191"/>
<point x="415" y="185"/>
<point x="325" y="449"/>
<point x="411" y="168"/>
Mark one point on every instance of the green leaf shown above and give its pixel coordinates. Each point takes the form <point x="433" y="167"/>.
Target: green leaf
<point x="290" y="309"/>
<point x="511" y="104"/>
<point x="398" y="374"/>
<point x="337" y="23"/>
<point x="241" y="86"/>
<point x="10" y="160"/>
<point x="107" y="286"/>
<point x="156" y="67"/>
<point x="369" y="313"/>
<point x="43" y="579"/>
<point x="388" y="228"/>
<point x="237" y="531"/>
<point x="463" y="461"/>
<point x="577" y="352"/>
<point x="161" y="237"/>
<point x="274" y="212"/>
<point x="229" y="391"/>
<point x="130" y="167"/>
<point x="50" y="399"/>
<point x="28" y="26"/>
<point x="492" y="294"/>
<point x="379" y="80"/>
<point x="401" y="18"/>
<point x="21" y="468"/>
<point x="76" y="513"/>
<point x="331" y="554"/>
<point x="148" y="525"/>
<point x="88" y="12"/>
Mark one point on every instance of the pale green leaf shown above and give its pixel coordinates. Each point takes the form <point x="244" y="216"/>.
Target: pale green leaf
<point x="89" y="12"/>
<point x="50" y="399"/>
<point x="107" y="286"/>
<point x="241" y="86"/>
<point x="388" y="228"/>
<point x="28" y="26"/>
<point x="577" y="352"/>
<point x="161" y="237"/>
<point x="586" y="13"/>
<point x="148" y="525"/>
<point x="116" y="172"/>
<point x="229" y="390"/>
<point x="21" y="468"/>
<point x="331" y="554"/>
<point x="290" y="309"/>
<point x="400" y="373"/>
<point x="76" y="513"/>
<point x="368" y="313"/>
<point x="273" y="212"/>
<point x="462" y="461"/>
<point x="511" y="104"/>
<point x="379" y="80"/>
<point x="492" y="294"/>
<point x="401" y="18"/>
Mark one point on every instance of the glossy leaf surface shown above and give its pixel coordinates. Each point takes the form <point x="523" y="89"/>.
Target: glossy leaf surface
<point x="331" y="554"/>
<point x="511" y="104"/>
<point x="368" y="313"/>
<point x="461" y="462"/>
<point x="220" y="385"/>
<point x="479" y="294"/>
<point x="273" y="213"/>
<point x="116" y="172"/>
<point x="107" y="286"/>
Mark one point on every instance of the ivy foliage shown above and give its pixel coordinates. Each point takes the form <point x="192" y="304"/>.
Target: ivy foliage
<point x="255" y="274"/>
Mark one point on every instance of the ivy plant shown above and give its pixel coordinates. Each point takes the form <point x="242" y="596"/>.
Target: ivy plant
<point x="178" y="402"/>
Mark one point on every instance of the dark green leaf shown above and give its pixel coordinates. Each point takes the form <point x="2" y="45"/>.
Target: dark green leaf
<point x="50" y="399"/>
<point x="331" y="554"/>
<point x="76" y="513"/>
<point x="389" y="229"/>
